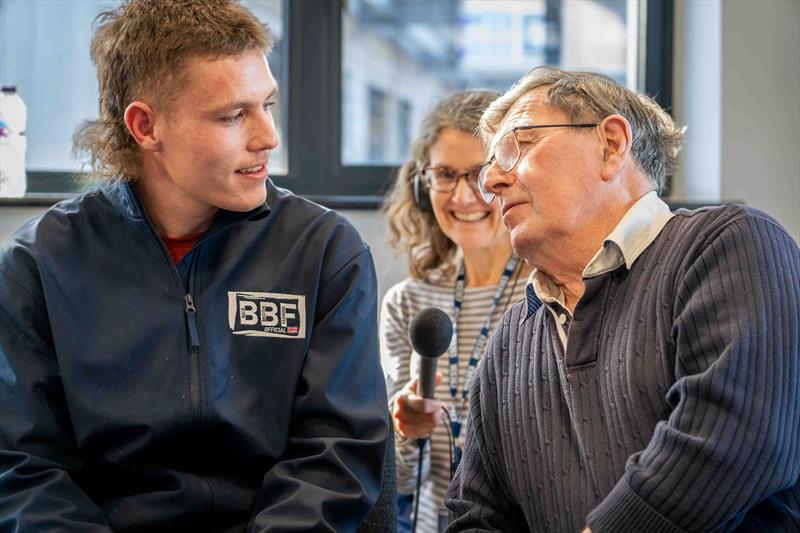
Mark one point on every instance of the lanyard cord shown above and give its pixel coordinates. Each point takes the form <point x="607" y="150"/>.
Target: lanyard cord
<point x="510" y="294"/>
<point x="480" y="342"/>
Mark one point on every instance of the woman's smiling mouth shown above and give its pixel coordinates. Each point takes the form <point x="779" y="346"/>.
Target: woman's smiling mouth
<point x="473" y="216"/>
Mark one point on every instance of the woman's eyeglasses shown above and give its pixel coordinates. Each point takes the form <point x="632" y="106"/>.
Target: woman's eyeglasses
<point x="443" y="179"/>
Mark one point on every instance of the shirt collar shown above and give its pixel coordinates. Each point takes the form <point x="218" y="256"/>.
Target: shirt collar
<point x="637" y="229"/>
<point x="541" y="289"/>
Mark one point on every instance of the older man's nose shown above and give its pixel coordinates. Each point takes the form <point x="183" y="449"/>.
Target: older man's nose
<point x="495" y="180"/>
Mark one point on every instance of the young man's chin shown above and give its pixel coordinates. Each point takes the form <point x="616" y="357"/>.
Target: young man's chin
<point x="245" y="203"/>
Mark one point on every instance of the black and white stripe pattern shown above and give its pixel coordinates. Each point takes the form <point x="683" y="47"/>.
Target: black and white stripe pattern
<point x="400" y="305"/>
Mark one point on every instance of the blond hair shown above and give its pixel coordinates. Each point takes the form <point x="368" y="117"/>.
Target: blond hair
<point x="590" y="97"/>
<point x="413" y="230"/>
<point x="140" y="50"/>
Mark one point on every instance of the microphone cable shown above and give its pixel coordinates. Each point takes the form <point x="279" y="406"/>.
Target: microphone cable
<point x="419" y="486"/>
<point x="451" y="442"/>
<point x="450" y="448"/>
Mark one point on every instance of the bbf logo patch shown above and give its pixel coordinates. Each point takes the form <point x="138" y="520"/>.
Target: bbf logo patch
<point x="267" y="314"/>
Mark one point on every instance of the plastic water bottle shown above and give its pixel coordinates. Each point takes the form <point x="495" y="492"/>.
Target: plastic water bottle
<point x="13" y="144"/>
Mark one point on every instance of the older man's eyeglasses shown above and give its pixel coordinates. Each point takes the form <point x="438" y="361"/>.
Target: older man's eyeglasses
<point x="506" y="153"/>
<point x="443" y="179"/>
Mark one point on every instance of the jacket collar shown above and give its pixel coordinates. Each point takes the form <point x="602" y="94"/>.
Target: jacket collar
<point x="123" y="197"/>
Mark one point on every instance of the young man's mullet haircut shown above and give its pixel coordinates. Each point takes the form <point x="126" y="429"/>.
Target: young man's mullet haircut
<point x="140" y="49"/>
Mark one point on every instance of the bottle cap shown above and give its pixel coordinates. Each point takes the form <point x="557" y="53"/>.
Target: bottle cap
<point x="9" y="89"/>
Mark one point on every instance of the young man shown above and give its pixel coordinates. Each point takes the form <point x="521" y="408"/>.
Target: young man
<point x="188" y="347"/>
<point x="658" y="387"/>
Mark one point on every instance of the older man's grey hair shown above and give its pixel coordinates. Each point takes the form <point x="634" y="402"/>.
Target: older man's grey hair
<point x="590" y="97"/>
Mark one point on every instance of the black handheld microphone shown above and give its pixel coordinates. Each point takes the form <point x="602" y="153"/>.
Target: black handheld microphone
<point x="431" y="331"/>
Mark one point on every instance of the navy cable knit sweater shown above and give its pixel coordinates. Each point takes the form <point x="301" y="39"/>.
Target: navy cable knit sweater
<point x="675" y="408"/>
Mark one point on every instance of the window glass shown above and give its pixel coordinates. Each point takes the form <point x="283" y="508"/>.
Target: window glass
<point x="44" y="52"/>
<point x="405" y="55"/>
<point x="378" y="135"/>
<point x="271" y="12"/>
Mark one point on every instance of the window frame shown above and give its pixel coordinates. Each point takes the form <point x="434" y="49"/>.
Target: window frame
<point x="315" y="162"/>
<point x="314" y="110"/>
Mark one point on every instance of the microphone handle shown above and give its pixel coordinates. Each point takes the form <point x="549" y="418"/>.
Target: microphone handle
<point x="426" y="387"/>
<point x="427" y="377"/>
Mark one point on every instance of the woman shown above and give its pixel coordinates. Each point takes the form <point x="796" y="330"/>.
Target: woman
<point x="461" y="261"/>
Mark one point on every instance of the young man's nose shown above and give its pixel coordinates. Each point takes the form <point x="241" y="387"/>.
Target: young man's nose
<point x="264" y="134"/>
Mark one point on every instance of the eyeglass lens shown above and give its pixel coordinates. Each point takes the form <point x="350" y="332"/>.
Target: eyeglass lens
<point x="485" y="194"/>
<point x="443" y="180"/>
<point x="506" y="153"/>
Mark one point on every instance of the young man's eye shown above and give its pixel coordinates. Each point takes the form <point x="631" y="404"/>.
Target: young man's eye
<point x="269" y="104"/>
<point x="234" y="118"/>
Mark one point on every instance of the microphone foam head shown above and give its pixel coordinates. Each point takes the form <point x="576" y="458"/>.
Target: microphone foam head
<point x="430" y="332"/>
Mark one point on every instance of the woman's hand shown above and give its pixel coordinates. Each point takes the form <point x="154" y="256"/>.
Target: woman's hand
<point x="413" y="416"/>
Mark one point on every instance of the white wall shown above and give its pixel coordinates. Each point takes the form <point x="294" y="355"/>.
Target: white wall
<point x="697" y="95"/>
<point x="12" y="217"/>
<point x="390" y="267"/>
<point x="737" y="86"/>
<point x="760" y="159"/>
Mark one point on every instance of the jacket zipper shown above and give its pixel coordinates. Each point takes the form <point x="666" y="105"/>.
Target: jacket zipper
<point x="194" y="353"/>
<point x="195" y="383"/>
<point x="194" y="346"/>
<point x="190" y="312"/>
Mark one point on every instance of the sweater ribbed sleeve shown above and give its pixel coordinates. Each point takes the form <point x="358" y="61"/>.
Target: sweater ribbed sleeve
<point x="731" y="439"/>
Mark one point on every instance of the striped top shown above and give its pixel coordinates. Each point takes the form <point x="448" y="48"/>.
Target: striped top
<point x="674" y="407"/>
<point x="400" y="305"/>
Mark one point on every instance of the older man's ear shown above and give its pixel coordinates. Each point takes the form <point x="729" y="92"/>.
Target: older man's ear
<point x="616" y="138"/>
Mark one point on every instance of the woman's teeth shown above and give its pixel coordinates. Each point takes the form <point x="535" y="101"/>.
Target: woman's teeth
<point x="470" y="217"/>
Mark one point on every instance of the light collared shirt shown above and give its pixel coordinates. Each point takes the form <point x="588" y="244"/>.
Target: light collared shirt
<point x="637" y="229"/>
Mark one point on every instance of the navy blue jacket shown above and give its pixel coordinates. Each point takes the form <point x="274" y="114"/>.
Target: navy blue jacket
<point x="240" y="390"/>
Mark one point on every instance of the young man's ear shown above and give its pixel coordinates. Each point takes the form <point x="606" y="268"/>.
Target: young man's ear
<point x="140" y="120"/>
<point x="617" y="137"/>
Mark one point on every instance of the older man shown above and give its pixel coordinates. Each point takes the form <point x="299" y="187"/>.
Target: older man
<point x="657" y="388"/>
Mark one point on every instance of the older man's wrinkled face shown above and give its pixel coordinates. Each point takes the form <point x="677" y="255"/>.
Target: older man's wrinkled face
<point x="551" y="191"/>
